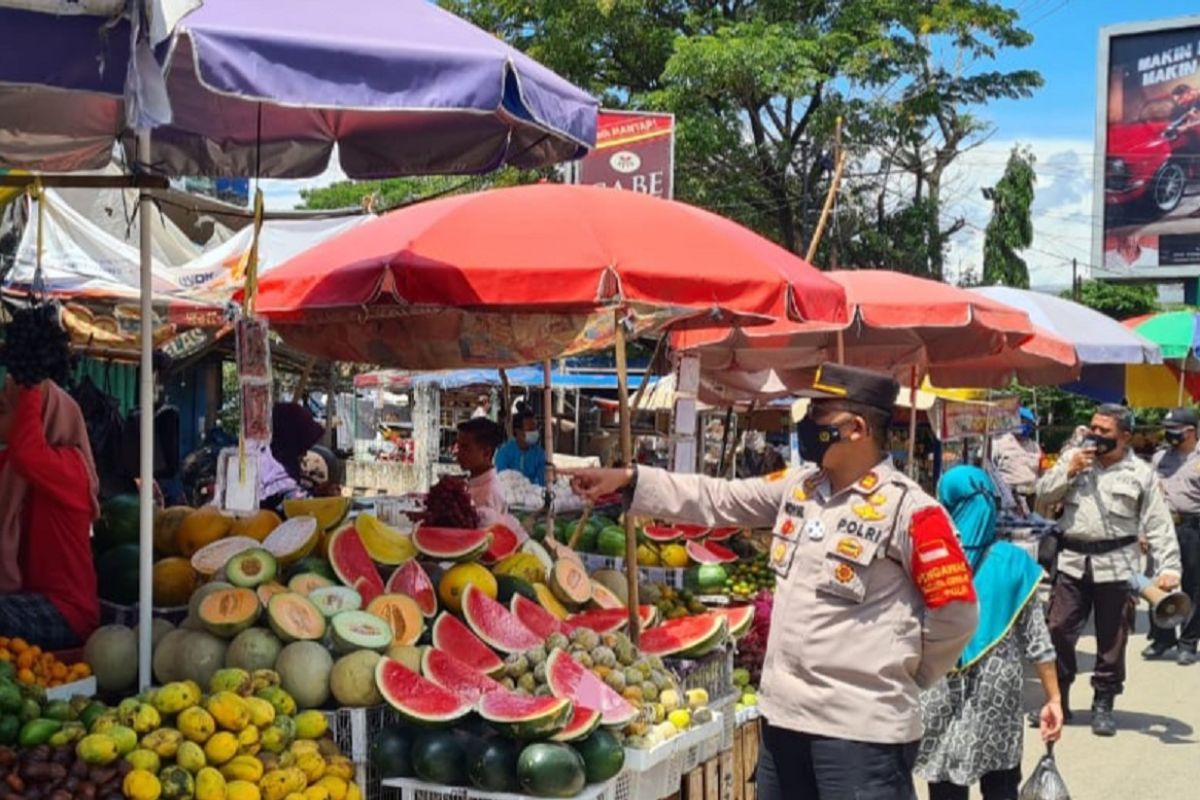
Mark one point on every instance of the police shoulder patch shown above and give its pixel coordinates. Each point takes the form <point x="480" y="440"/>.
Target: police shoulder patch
<point x="938" y="566"/>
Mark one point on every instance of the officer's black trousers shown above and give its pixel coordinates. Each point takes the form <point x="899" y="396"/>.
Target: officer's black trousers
<point x="800" y="766"/>
<point x="1189" y="553"/>
<point x="1072" y="602"/>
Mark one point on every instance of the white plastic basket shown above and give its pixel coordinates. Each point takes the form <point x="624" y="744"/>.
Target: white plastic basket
<point x="729" y="721"/>
<point x="353" y="729"/>
<point x="412" y="789"/>
<point x="664" y="575"/>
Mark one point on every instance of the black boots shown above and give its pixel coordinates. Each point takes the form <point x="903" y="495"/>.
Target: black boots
<point x="1103" y="723"/>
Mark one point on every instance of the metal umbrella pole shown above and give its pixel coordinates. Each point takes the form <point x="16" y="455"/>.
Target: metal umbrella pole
<point x="631" y="563"/>
<point x="146" y="440"/>
<point x="548" y="445"/>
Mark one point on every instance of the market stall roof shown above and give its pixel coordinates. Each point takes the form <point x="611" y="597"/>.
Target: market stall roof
<point x="531" y="377"/>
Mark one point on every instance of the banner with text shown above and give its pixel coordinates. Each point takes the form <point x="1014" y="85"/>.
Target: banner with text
<point x="635" y="151"/>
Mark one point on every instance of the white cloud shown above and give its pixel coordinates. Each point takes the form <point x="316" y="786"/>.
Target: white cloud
<point x="1062" y="219"/>
<point x="282" y="195"/>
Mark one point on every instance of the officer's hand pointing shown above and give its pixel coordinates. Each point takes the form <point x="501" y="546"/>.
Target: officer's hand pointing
<point x="592" y="484"/>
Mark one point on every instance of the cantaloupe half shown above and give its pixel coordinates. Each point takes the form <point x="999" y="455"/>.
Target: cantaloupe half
<point x="403" y="615"/>
<point x="570" y="582"/>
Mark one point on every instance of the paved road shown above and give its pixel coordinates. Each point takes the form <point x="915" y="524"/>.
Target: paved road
<point x="1156" y="752"/>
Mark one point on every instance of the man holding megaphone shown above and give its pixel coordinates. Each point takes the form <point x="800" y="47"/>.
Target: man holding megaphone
<point x="1178" y="465"/>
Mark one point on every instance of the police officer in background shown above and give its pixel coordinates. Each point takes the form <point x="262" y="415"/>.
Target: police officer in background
<point x="1109" y="497"/>
<point x="873" y="599"/>
<point x="1018" y="460"/>
<point x="1179" y="468"/>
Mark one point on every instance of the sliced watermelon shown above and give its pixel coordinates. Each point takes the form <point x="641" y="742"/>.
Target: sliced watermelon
<point x="538" y="619"/>
<point x="417" y="699"/>
<point x="494" y="624"/>
<point x="703" y="554"/>
<point x="451" y="544"/>
<point x="686" y="637"/>
<point x="524" y="717"/>
<point x="662" y="533"/>
<point x="450" y="635"/>
<point x="721" y="534"/>
<point x="411" y="579"/>
<point x="453" y="675"/>
<point x="353" y="565"/>
<point x="692" y="532"/>
<point x="504" y="544"/>
<point x="583" y="722"/>
<point x="601" y="620"/>
<point x="739" y="619"/>
<point x="568" y="678"/>
<point x="649" y="616"/>
<point x="722" y="552"/>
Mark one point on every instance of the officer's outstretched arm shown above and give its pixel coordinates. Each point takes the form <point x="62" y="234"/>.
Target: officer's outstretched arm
<point x="935" y="561"/>
<point x="708" y="501"/>
<point x="1159" y="531"/>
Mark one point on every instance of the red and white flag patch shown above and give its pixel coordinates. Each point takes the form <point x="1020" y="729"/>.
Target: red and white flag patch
<point x="939" y="566"/>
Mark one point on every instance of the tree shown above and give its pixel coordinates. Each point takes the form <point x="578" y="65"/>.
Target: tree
<point x="1011" y="227"/>
<point x="396" y="192"/>
<point x="1118" y="300"/>
<point x="757" y="87"/>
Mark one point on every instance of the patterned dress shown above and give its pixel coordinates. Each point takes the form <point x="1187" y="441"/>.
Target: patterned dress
<point x="974" y="721"/>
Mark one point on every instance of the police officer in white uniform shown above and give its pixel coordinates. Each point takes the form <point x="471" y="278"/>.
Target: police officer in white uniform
<point x="873" y="601"/>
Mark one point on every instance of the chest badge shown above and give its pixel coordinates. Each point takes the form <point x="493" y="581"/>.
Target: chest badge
<point x="843" y="573"/>
<point x="869" y="482"/>
<point x="788" y="527"/>
<point x="850" y="548"/>
<point x="868" y="512"/>
<point x="815" y="530"/>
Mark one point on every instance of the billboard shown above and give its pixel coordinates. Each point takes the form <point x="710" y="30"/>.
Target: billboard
<point x="635" y="151"/>
<point x="1147" y="198"/>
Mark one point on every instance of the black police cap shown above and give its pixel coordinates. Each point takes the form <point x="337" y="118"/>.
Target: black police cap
<point x="840" y="382"/>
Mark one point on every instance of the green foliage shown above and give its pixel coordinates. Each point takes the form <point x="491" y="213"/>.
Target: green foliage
<point x="1011" y="227"/>
<point x="396" y="192"/>
<point x="1118" y="300"/>
<point x="757" y="87"/>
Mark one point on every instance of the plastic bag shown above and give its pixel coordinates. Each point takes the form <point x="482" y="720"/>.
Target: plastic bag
<point x="1045" y="783"/>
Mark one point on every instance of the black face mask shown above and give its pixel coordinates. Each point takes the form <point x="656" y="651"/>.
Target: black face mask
<point x="1175" y="438"/>
<point x="815" y="440"/>
<point x="1103" y="445"/>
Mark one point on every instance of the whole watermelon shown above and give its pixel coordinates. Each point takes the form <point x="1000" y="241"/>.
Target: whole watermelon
<point x="118" y="523"/>
<point x="117" y="574"/>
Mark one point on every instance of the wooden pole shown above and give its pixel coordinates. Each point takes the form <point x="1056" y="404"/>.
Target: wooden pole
<point x="631" y="563"/>
<point x="912" y="424"/>
<point x="1182" y="377"/>
<point x="145" y="181"/>
<point x="831" y="195"/>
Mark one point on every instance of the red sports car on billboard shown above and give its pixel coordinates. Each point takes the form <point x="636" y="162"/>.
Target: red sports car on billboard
<point x="1152" y="162"/>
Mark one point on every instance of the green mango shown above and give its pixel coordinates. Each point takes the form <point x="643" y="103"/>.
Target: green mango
<point x="38" y="731"/>
<point x="30" y="709"/>
<point x="58" y="709"/>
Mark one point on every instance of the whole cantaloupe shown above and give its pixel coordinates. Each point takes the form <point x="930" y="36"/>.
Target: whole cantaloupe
<point x="203" y="526"/>
<point x="304" y="669"/>
<point x="253" y="648"/>
<point x="166" y="529"/>
<point x="352" y="680"/>
<point x="166" y="657"/>
<point x="174" y="582"/>
<point x="159" y="628"/>
<point x="113" y="653"/>
<point x="200" y="656"/>
<point x="257" y="526"/>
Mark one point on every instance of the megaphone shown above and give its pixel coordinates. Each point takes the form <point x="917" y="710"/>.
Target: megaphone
<point x="1167" y="609"/>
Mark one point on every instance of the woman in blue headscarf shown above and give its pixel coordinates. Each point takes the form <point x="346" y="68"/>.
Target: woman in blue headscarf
<point x="973" y="718"/>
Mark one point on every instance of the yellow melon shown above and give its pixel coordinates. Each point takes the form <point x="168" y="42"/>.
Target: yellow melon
<point x="174" y="582"/>
<point x="257" y="526"/>
<point x="166" y="529"/>
<point x="202" y="527"/>
<point x="329" y="512"/>
<point x="384" y="544"/>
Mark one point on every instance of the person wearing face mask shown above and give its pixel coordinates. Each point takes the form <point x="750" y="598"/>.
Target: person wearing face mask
<point x="873" y="602"/>
<point x="1179" y="468"/>
<point x="1109" y="498"/>
<point x="1018" y="458"/>
<point x="522" y="452"/>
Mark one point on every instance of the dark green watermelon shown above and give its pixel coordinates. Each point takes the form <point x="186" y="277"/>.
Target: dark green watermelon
<point x="118" y="523"/>
<point x="493" y="765"/>
<point x="117" y="574"/>
<point x="551" y="770"/>
<point x="603" y="755"/>
<point x="508" y="585"/>
<point x="390" y="752"/>
<point x="314" y="565"/>
<point x="439" y="757"/>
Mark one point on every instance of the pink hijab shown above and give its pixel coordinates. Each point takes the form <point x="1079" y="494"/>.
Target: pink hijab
<point x="63" y="425"/>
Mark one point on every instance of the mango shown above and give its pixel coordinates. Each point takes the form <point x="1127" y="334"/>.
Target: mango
<point x="311" y="725"/>
<point x="316" y="793"/>
<point x="248" y="741"/>
<point x="229" y="710"/>
<point x="265" y="679"/>
<point x="177" y="784"/>
<point x="196" y="724"/>
<point x="176" y="697"/>
<point x="141" y="784"/>
<point x="210" y="785"/>
<point x="221" y="748"/>
<point x="353" y="792"/>
<point x="278" y="784"/>
<point x="275" y="739"/>
<point x="262" y="713"/>
<point x="145" y="759"/>
<point x="337" y="787"/>
<point x="241" y="790"/>
<point x="126" y="739"/>
<point x="340" y="767"/>
<point x="70" y="733"/>
<point x="97" y="749"/>
<point x="164" y="742"/>
<point x="231" y="679"/>
<point x="105" y="722"/>
<point x="243" y="768"/>
<point x="284" y="703"/>
<point x="191" y="757"/>
<point x="312" y="765"/>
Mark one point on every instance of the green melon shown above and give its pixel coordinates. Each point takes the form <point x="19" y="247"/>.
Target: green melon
<point x="304" y="669"/>
<point x="252" y="649"/>
<point x="113" y="653"/>
<point x="200" y="656"/>
<point x="611" y="542"/>
<point x="166" y="657"/>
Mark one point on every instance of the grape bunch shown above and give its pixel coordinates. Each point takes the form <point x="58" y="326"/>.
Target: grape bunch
<point x="36" y="347"/>
<point x="449" y="505"/>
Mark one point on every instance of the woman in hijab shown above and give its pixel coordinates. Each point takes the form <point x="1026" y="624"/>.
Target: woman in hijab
<point x="973" y="720"/>
<point x="48" y="489"/>
<point x="293" y="433"/>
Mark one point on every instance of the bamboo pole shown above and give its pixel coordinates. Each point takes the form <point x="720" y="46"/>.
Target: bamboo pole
<point x="631" y="564"/>
<point x="830" y="196"/>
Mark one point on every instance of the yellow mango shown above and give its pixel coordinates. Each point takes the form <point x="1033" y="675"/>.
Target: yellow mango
<point x="304" y="746"/>
<point x="145" y="718"/>
<point x="340" y="767"/>
<point x="126" y="739"/>
<point x="283" y="702"/>
<point x="164" y="742"/>
<point x="317" y="792"/>
<point x="241" y="790"/>
<point x="278" y="784"/>
<point x="312" y="765"/>
<point x="243" y="768"/>
<point x="262" y="713"/>
<point x="210" y="785"/>
<point x="248" y="741"/>
<point x="175" y="698"/>
<point x="145" y="759"/>
<point x="311" y="725"/>
<point x="98" y="749"/>
<point x="274" y="739"/>
<point x="141" y="784"/>
<point x="229" y="710"/>
<point x="105" y="722"/>
<point x="336" y="787"/>
<point x="190" y="756"/>
<point x="353" y="792"/>
<point x="221" y="748"/>
<point x="196" y="724"/>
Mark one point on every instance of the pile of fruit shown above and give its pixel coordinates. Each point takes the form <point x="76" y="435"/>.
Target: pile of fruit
<point x="752" y="648"/>
<point x="747" y="693"/>
<point x="671" y="603"/>
<point x="748" y="577"/>
<point x="27" y="664"/>
<point x="28" y="717"/>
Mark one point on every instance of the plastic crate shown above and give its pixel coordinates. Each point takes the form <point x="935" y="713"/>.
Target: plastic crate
<point x="726" y="707"/>
<point x="667" y="576"/>
<point x="353" y="729"/>
<point x="411" y="789"/>
<point x="713" y="673"/>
